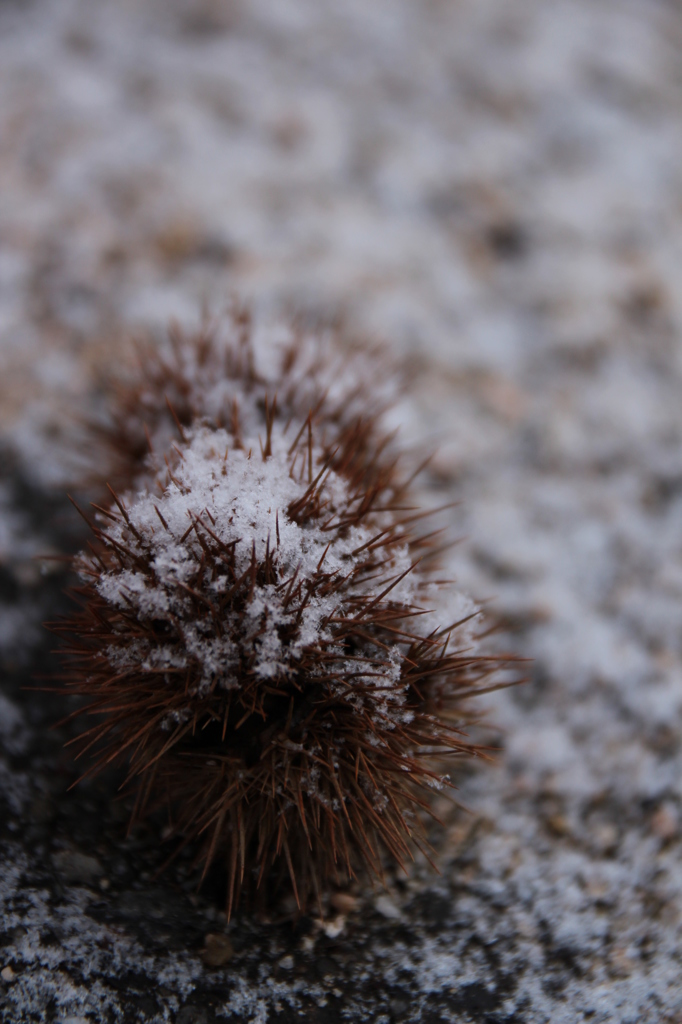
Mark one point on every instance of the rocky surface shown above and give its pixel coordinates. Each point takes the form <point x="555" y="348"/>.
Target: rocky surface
<point x="496" y="189"/>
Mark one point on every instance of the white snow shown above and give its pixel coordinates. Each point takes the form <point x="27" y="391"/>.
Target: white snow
<point x="244" y="499"/>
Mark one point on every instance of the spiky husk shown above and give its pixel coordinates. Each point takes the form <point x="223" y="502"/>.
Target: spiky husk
<point x="279" y="683"/>
<point x="225" y="378"/>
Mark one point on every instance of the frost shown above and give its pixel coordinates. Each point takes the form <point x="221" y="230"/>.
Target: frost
<point x="97" y="953"/>
<point x="241" y="501"/>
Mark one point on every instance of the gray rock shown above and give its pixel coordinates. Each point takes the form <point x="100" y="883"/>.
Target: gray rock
<point x="78" y="868"/>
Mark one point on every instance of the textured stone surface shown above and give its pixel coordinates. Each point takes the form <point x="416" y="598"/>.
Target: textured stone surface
<point x="496" y="189"/>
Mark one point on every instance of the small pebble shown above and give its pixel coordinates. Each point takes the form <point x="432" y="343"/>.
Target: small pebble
<point x="605" y="839"/>
<point x="665" y="823"/>
<point x="387" y="908"/>
<point x="344" y="902"/>
<point x="217" y="950"/>
<point x="76" y="867"/>
<point x="332" y="929"/>
<point x="559" y="825"/>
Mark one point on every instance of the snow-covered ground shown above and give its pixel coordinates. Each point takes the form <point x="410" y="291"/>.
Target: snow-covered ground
<point x="495" y="188"/>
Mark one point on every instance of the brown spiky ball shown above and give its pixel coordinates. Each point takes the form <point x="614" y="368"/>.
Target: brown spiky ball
<point x="260" y="638"/>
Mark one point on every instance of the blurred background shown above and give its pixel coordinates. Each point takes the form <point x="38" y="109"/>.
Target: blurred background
<point x="494" y="187"/>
